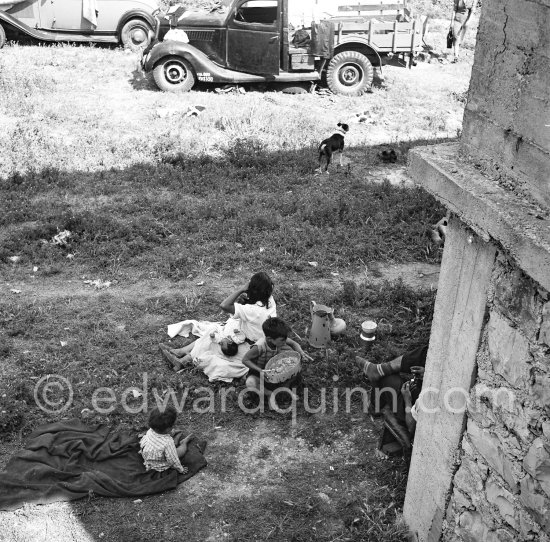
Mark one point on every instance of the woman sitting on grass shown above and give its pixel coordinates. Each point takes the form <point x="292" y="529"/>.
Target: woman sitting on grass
<point x="249" y="307"/>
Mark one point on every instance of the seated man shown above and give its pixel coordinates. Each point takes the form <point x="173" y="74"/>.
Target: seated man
<point x="396" y="398"/>
<point x="401" y="364"/>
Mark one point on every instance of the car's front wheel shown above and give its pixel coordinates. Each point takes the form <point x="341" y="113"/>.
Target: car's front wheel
<point x="174" y="74"/>
<point x="136" y="34"/>
<point x="349" y="73"/>
<point x="2" y="37"/>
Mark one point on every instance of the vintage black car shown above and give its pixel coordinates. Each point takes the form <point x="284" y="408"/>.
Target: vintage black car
<point x="251" y="41"/>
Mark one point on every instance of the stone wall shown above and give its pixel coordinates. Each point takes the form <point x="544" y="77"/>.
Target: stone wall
<point x="501" y="490"/>
<point x="506" y="128"/>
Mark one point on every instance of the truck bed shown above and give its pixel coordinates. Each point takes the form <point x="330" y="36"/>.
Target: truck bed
<point x="385" y="36"/>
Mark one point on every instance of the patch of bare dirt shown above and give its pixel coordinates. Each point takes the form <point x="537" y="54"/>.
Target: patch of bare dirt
<point x="416" y="275"/>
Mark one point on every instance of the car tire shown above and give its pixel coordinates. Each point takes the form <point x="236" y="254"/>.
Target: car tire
<point x="349" y="73"/>
<point x="2" y="36"/>
<point x="136" y="34"/>
<point x="174" y="74"/>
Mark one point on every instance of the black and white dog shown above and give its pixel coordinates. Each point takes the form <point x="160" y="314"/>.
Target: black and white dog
<point x="334" y="143"/>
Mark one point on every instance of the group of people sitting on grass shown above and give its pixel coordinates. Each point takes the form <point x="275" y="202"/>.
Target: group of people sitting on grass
<point x="242" y="345"/>
<point x="252" y="335"/>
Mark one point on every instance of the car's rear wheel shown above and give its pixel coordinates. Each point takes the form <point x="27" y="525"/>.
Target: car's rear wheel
<point x="174" y="74"/>
<point x="136" y="34"/>
<point x="2" y="37"/>
<point x="349" y="73"/>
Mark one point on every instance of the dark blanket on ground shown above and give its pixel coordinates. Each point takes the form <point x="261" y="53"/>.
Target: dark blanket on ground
<point x="69" y="460"/>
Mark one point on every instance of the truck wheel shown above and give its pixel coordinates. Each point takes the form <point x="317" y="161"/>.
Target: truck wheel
<point x="174" y="74"/>
<point x="136" y="34"/>
<point x="349" y="73"/>
<point x="2" y="37"/>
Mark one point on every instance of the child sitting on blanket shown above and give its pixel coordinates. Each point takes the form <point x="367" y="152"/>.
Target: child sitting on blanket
<point x="276" y="340"/>
<point x="158" y="448"/>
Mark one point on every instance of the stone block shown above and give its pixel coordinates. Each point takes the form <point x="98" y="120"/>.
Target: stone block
<point x="488" y="444"/>
<point x="544" y="333"/>
<point x="460" y="501"/>
<point x="529" y="528"/>
<point x="515" y="297"/>
<point x="504" y="535"/>
<point x="541" y="356"/>
<point x="468" y="478"/>
<point x="472" y="528"/>
<point x="536" y="502"/>
<point x="509" y="351"/>
<point x="505" y="502"/>
<point x="467" y="447"/>
<point x="540" y="390"/>
<point x="537" y="464"/>
<point x="502" y="404"/>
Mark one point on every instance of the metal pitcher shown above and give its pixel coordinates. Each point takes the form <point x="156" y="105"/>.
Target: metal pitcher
<point x="324" y="325"/>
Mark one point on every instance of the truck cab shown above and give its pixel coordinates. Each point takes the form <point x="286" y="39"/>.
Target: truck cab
<point x="248" y="41"/>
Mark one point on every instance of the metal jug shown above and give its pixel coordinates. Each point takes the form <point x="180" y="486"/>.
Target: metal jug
<point x="324" y="325"/>
<point x="319" y="333"/>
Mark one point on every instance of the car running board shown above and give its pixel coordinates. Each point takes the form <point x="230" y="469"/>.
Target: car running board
<point x="56" y="35"/>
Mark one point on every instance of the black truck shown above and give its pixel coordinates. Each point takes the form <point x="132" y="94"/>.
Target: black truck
<point x="252" y="41"/>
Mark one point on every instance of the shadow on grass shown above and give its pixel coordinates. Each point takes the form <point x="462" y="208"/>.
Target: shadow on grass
<point x="180" y="214"/>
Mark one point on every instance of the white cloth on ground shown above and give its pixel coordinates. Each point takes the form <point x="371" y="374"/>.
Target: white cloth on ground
<point x="187" y="327"/>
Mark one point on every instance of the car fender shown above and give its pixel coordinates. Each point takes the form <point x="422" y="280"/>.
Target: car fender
<point x="135" y="14"/>
<point x="22" y="27"/>
<point x="196" y="58"/>
<point x="355" y="42"/>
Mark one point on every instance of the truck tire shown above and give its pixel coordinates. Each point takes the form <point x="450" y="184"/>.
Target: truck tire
<point x="174" y="74"/>
<point x="136" y="34"/>
<point x="2" y="37"/>
<point x="349" y="73"/>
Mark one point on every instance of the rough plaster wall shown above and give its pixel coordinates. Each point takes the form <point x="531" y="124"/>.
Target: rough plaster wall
<point x="506" y="129"/>
<point x="501" y="491"/>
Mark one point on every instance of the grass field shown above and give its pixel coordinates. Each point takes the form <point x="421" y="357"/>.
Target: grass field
<point x="174" y="212"/>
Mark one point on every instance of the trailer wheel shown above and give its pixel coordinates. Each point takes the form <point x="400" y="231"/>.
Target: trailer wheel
<point x="349" y="73"/>
<point x="2" y="37"/>
<point x="174" y="74"/>
<point x="136" y="34"/>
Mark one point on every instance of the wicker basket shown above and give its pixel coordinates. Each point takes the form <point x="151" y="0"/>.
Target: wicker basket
<point x="282" y="367"/>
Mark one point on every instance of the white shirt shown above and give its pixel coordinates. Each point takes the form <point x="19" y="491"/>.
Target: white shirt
<point x="253" y="316"/>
